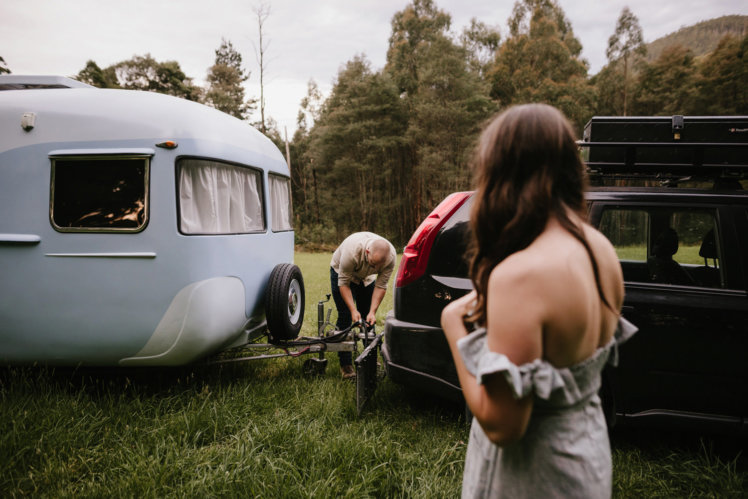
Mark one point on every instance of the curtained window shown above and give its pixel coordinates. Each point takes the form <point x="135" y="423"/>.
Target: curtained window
<point x="219" y="198"/>
<point x="280" y="203"/>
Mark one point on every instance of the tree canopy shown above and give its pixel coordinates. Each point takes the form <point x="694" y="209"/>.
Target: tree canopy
<point x="225" y="79"/>
<point x="541" y="62"/>
<point x="142" y="73"/>
<point x="386" y="145"/>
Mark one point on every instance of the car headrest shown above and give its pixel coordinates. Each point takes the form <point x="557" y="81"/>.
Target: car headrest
<point x="666" y="244"/>
<point x="708" y="246"/>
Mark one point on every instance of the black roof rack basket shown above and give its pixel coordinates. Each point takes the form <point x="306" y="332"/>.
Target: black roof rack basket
<point x="667" y="148"/>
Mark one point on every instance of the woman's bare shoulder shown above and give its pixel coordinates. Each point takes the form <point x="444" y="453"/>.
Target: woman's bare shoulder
<point x="524" y="273"/>
<point x="602" y="248"/>
<point x="599" y="242"/>
<point x="520" y="266"/>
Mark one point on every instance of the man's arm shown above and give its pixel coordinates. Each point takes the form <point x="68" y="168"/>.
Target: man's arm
<point x="345" y="292"/>
<point x="376" y="300"/>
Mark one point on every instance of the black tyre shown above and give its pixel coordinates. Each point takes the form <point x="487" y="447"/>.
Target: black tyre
<point x="284" y="302"/>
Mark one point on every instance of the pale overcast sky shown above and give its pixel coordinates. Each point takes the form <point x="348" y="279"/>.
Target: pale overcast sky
<point x="307" y="39"/>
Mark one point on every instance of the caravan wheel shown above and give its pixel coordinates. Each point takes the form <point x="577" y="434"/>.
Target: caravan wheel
<point x="284" y="302"/>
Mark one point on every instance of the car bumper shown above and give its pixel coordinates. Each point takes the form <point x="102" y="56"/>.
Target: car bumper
<point x="418" y="356"/>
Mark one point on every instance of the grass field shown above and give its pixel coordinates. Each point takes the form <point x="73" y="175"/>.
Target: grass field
<point x="261" y="429"/>
<point x="685" y="254"/>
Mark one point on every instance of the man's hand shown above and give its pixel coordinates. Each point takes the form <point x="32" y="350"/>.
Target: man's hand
<point x="355" y="315"/>
<point x="376" y="299"/>
<point x="345" y="293"/>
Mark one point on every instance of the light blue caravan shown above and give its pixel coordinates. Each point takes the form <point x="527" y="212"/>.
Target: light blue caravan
<point x="137" y="228"/>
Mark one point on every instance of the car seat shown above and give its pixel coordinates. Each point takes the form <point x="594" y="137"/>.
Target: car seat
<point x="661" y="266"/>
<point x="708" y="276"/>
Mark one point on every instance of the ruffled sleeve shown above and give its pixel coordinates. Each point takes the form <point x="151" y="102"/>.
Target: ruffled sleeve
<point x="624" y="331"/>
<point x="537" y="376"/>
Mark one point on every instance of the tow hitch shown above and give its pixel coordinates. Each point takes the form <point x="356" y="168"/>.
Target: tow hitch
<point x="328" y="339"/>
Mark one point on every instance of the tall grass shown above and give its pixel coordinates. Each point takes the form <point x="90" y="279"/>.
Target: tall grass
<point x="261" y="429"/>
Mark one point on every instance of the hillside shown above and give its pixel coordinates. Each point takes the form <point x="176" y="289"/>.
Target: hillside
<point x="701" y="38"/>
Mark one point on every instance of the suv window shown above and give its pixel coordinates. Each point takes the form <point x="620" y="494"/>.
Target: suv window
<point x="219" y="198"/>
<point x="99" y="194"/>
<point x="666" y="245"/>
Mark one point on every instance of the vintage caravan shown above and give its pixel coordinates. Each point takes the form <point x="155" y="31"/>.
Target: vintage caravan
<point x="137" y="228"/>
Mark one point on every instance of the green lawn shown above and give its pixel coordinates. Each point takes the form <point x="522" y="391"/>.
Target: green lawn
<point x="685" y="254"/>
<point x="261" y="429"/>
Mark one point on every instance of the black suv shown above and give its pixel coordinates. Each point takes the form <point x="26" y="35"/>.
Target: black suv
<point x="668" y="193"/>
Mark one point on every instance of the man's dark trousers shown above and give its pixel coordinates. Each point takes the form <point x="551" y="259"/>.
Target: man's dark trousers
<point x="361" y="297"/>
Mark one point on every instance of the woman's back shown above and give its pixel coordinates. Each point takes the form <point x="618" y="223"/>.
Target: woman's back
<point x="543" y="301"/>
<point x="564" y="449"/>
<point x="577" y="321"/>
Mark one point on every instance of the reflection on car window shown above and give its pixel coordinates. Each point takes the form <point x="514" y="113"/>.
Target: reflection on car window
<point x="100" y="194"/>
<point x="676" y="246"/>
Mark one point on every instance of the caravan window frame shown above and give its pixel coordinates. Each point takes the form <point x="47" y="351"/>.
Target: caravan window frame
<point x="89" y="158"/>
<point x="261" y="192"/>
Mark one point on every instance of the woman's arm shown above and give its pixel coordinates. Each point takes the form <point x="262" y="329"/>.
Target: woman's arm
<point x="514" y="328"/>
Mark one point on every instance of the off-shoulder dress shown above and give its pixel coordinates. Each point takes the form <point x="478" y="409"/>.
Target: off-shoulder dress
<point x="565" y="451"/>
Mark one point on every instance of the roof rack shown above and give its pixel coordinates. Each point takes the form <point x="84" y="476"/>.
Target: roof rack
<point x="684" y="158"/>
<point x="667" y="148"/>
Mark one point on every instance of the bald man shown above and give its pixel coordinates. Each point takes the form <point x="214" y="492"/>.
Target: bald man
<point x="359" y="271"/>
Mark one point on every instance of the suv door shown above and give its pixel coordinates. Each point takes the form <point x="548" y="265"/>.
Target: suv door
<point x="683" y="272"/>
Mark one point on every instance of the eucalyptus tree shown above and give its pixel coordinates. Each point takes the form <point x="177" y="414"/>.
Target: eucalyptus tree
<point x="541" y="61"/>
<point x="94" y="75"/>
<point x="667" y="85"/>
<point x="309" y="108"/>
<point x="414" y="29"/>
<point x="354" y="150"/>
<point x="145" y="73"/>
<point x="303" y="174"/>
<point x="722" y="77"/>
<point x="624" y="45"/>
<point x="480" y="42"/>
<point x="262" y="12"/>
<point x="445" y="100"/>
<point x="225" y="79"/>
<point x="142" y="73"/>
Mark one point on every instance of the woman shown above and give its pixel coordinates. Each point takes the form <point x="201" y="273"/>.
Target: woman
<point x="546" y="308"/>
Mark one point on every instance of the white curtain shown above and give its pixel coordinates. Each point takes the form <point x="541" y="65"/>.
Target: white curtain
<point x="216" y="198"/>
<point x="280" y="201"/>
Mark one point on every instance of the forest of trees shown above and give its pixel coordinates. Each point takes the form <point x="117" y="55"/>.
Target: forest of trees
<point x="387" y="145"/>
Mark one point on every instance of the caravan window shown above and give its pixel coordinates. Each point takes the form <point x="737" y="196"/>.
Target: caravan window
<point x="280" y="203"/>
<point x="219" y="198"/>
<point x="99" y="194"/>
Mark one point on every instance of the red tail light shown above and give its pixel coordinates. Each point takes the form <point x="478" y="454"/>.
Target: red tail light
<point x="416" y="253"/>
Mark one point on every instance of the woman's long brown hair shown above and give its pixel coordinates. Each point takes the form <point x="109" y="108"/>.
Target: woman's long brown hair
<point x="527" y="170"/>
